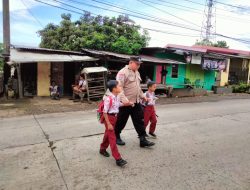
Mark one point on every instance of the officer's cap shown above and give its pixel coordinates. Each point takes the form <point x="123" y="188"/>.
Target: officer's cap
<point x="136" y="59"/>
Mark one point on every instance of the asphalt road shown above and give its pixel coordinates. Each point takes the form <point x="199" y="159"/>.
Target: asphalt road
<point x="200" y="146"/>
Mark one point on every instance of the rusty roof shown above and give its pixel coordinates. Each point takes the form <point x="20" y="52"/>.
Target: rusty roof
<point x="210" y="49"/>
<point x="145" y="58"/>
<point x="46" y="50"/>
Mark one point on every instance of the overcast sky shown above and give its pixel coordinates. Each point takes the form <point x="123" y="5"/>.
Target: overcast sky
<point x="29" y="16"/>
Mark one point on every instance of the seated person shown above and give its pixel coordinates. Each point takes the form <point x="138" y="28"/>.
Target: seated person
<point x="81" y="87"/>
<point x="54" y="91"/>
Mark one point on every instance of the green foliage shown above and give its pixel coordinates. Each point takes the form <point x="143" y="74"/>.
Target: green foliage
<point x="1" y="60"/>
<point x="222" y="44"/>
<point x="241" y="88"/>
<point x="119" y="34"/>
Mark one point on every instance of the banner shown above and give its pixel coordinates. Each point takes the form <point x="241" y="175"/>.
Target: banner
<point x="214" y="64"/>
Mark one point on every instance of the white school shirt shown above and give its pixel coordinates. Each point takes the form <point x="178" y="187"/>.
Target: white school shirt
<point x="151" y="96"/>
<point x="82" y="83"/>
<point x="116" y="103"/>
<point x="53" y="89"/>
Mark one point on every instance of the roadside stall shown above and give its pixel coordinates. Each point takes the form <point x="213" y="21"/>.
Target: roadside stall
<point x="96" y="82"/>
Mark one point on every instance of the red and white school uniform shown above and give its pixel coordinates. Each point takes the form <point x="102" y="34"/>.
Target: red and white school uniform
<point x="109" y="135"/>
<point x="149" y="111"/>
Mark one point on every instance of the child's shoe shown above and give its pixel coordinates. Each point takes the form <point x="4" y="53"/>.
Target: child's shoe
<point x="104" y="153"/>
<point x="121" y="162"/>
<point x="153" y="135"/>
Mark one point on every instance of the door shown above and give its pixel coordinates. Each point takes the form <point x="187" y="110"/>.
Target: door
<point x="209" y="79"/>
<point x="69" y="78"/>
<point x="43" y="79"/>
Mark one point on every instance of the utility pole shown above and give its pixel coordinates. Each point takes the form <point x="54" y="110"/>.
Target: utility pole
<point x="208" y="29"/>
<point x="6" y="40"/>
<point x="6" y="28"/>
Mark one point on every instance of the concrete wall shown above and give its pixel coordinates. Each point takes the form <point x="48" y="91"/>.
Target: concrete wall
<point x="43" y="78"/>
<point x="224" y="75"/>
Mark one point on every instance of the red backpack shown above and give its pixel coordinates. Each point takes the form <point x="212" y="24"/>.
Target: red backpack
<point x="100" y="116"/>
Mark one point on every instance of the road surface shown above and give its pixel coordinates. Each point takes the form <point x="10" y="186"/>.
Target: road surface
<point x="200" y="146"/>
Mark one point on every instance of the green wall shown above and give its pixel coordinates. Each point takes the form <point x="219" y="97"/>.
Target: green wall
<point x="194" y="72"/>
<point x="176" y="82"/>
<point x="209" y="79"/>
<point x="189" y="71"/>
<point x="181" y="72"/>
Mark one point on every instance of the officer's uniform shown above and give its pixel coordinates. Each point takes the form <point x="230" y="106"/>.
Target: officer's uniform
<point x="130" y="81"/>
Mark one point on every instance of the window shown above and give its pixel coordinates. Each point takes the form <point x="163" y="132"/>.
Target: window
<point x="175" y="69"/>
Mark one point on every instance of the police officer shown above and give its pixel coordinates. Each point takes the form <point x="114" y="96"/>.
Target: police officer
<point x="129" y="78"/>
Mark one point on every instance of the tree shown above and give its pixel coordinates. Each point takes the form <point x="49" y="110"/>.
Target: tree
<point x="119" y="34"/>
<point x="222" y="44"/>
<point x="1" y="60"/>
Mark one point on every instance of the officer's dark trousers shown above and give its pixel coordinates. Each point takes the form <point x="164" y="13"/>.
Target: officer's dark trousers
<point x="137" y="117"/>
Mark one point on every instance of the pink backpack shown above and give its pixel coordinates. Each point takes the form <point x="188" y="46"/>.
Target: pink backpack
<point x="100" y="116"/>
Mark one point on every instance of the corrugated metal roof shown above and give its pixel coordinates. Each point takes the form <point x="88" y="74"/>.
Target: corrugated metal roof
<point x="106" y="53"/>
<point x="17" y="56"/>
<point x="125" y="56"/>
<point x="186" y="48"/>
<point x="211" y="50"/>
<point x="45" y="50"/>
<point x="224" y="50"/>
<point x="147" y="58"/>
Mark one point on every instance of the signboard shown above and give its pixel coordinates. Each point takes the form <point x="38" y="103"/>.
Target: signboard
<point x="196" y="59"/>
<point x="214" y="64"/>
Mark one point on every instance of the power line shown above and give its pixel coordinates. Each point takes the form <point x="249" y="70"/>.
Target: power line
<point x="194" y="2"/>
<point x="171" y="33"/>
<point x="152" y="19"/>
<point x="73" y="7"/>
<point x="230" y="5"/>
<point x="233" y="38"/>
<point x="197" y="11"/>
<point x="150" y="29"/>
<point x="166" y="12"/>
<point x="59" y="7"/>
<point x="149" y="19"/>
<point x="236" y="39"/>
<point x="203" y="4"/>
<point x="36" y="19"/>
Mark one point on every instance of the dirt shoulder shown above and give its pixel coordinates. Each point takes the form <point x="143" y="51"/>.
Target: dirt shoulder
<point x="38" y="105"/>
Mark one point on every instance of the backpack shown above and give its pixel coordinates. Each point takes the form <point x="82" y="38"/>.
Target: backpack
<point x="100" y="116"/>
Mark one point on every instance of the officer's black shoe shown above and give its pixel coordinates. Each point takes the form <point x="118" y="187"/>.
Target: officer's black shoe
<point x="145" y="143"/>
<point x="121" y="162"/>
<point x="120" y="142"/>
<point x="146" y="135"/>
<point x="104" y="153"/>
<point x="153" y="135"/>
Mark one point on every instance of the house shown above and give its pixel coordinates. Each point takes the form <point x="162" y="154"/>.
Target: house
<point x="35" y="68"/>
<point x="115" y="61"/>
<point x="202" y="66"/>
<point x="237" y="61"/>
<point x="238" y="64"/>
<point x="187" y="71"/>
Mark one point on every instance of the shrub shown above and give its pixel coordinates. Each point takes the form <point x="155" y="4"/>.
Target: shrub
<point x="241" y="88"/>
